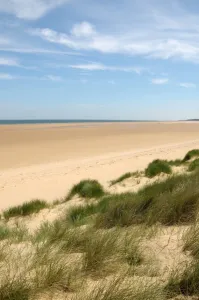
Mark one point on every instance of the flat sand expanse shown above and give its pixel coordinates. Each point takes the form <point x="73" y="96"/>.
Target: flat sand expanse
<point x="44" y="161"/>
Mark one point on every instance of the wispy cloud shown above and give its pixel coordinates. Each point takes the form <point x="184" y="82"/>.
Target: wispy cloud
<point x="53" y="78"/>
<point x="102" y="67"/>
<point x="4" y="76"/>
<point x="29" y="9"/>
<point x="4" y="41"/>
<point x="151" y="41"/>
<point x="4" y="61"/>
<point x="187" y="85"/>
<point x="7" y="76"/>
<point x="159" y="81"/>
<point x="38" y="51"/>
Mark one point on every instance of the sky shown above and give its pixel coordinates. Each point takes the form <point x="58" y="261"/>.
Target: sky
<point x="99" y="59"/>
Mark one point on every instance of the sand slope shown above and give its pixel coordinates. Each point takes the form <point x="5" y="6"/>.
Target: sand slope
<point x="44" y="161"/>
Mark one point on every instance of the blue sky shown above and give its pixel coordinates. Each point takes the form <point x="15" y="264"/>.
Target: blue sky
<point x="99" y="59"/>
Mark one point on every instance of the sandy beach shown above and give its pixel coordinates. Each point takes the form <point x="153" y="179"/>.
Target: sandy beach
<point x="44" y="161"/>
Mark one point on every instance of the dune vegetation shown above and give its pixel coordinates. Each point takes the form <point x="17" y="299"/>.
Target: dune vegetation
<point x="141" y="244"/>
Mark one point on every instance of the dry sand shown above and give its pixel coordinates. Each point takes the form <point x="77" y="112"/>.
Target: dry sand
<point x="44" y="161"/>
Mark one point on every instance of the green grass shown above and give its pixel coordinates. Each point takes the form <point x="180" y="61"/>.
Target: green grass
<point x="53" y="272"/>
<point x="186" y="284"/>
<point x="81" y="214"/>
<point x="125" y="176"/>
<point x="14" y="289"/>
<point x="194" y="165"/>
<point x="16" y="234"/>
<point x="25" y="209"/>
<point x="121" y="288"/>
<point x="78" y="215"/>
<point x="4" y="232"/>
<point x="157" y="167"/>
<point x="98" y="251"/>
<point x="175" y="163"/>
<point x="191" y="240"/>
<point x="173" y="201"/>
<point x="58" y="233"/>
<point x="63" y="259"/>
<point x="87" y="189"/>
<point x="191" y="154"/>
<point x="121" y="178"/>
<point x="130" y="247"/>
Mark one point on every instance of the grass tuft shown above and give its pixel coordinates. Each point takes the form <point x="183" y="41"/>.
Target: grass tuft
<point x="4" y="232"/>
<point x="25" y="209"/>
<point x="157" y="167"/>
<point x="121" y="288"/>
<point x="87" y="189"/>
<point x="15" y="290"/>
<point x="16" y="234"/>
<point x="121" y="178"/>
<point x="175" y="163"/>
<point x="194" y="165"/>
<point x="99" y="249"/>
<point x="191" y="154"/>
<point x="186" y="284"/>
<point x="52" y="272"/>
<point x="131" y="250"/>
<point x="78" y="215"/>
<point x="191" y="240"/>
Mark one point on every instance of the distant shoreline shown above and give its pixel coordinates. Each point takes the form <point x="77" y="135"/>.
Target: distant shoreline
<point x="73" y="121"/>
<point x="54" y="121"/>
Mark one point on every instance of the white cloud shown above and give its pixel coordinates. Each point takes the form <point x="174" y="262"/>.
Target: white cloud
<point x="164" y="34"/>
<point x="159" y="81"/>
<point x="187" y="85"/>
<point x="89" y="67"/>
<point x="38" y="51"/>
<point x="83" y="29"/>
<point x="102" y="67"/>
<point x="8" y="62"/>
<point x="29" y="9"/>
<point x="4" y="76"/>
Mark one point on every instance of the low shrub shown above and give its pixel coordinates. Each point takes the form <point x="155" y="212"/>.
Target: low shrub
<point x="175" y="163"/>
<point x="193" y="165"/>
<point x="157" y="167"/>
<point x="191" y="154"/>
<point x="87" y="189"/>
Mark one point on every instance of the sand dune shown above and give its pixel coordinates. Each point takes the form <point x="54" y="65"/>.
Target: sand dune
<point x="44" y="161"/>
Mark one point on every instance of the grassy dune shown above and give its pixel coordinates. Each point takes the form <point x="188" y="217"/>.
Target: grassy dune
<point x="141" y="245"/>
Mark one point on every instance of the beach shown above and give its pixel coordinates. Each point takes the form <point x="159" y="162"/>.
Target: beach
<point x="44" y="160"/>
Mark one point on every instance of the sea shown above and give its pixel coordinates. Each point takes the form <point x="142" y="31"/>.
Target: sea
<point x="59" y="121"/>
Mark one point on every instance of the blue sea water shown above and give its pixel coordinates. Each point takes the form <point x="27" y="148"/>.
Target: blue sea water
<point x="51" y="121"/>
